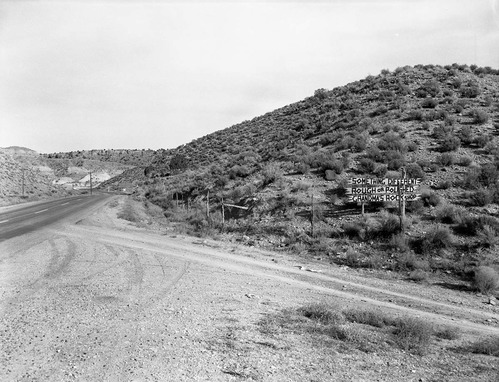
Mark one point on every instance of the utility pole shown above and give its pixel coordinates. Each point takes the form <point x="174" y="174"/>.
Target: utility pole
<point x="90" y="182"/>
<point x="22" y="187"/>
<point x="401" y="195"/>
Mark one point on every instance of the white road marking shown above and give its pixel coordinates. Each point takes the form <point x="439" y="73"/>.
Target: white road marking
<point x="63" y="204"/>
<point x="4" y="221"/>
<point x="39" y="212"/>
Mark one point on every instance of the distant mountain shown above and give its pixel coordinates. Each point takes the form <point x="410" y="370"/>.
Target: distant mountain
<point x="18" y="150"/>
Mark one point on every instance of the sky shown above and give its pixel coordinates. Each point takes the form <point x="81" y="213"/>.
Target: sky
<point x="126" y="74"/>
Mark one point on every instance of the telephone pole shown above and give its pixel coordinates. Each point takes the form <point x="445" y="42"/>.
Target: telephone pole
<point x="90" y="182"/>
<point x="22" y="186"/>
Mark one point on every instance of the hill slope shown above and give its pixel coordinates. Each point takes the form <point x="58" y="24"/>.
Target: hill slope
<point x="439" y="123"/>
<point x="46" y="177"/>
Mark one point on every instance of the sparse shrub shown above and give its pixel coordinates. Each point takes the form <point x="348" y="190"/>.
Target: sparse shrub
<point x="412" y="146"/>
<point x="449" y="214"/>
<point x="302" y="168"/>
<point x="486" y="279"/>
<point x="271" y="173"/>
<point x="418" y="275"/>
<point x="472" y="225"/>
<point x="399" y="242"/>
<point x="409" y="261"/>
<point x="429" y="103"/>
<point x="482" y="140"/>
<point x="465" y="134"/>
<point x="488" y="236"/>
<point x="368" y="317"/>
<point x="413" y="334"/>
<point x="321" y="313"/>
<point x="488" y="346"/>
<point x="430" y="198"/>
<point x="415" y="206"/>
<point x="394" y="159"/>
<point x="486" y="175"/>
<point x="437" y="238"/>
<point x="128" y="213"/>
<point x="464" y="161"/>
<point x="374" y="153"/>
<point x="481" y="197"/>
<point x="450" y="143"/>
<point x="389" y="225"/>
<point x="479" y="116"/>
<point x="414" y="170"/>
<point x="352" y="258"/>
<point x="300" y="186"/>
<point x="449" y="333"/>
<point x="443" y="184"/>
<point x="392" y="141"/>
<point x="366" y="165"/>
<point x="471" y="90"/>
<point x="380" y="171"/>
<point x="335" y="165"/>
<point x="446" y="159"/>
<point x="415" y="115"/>
<point x="442" y="131"/>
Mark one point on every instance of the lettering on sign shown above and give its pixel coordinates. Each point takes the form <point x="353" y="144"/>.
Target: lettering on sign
<point x="382" y="198"/>
<point x="383" y="181"/>
<point x="363" y="190"/>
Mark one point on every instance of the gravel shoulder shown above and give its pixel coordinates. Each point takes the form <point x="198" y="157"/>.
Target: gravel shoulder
<point x="100" y="298"/>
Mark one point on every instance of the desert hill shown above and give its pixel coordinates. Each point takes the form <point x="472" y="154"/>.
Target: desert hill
<point x="439" y="123"/>
<point x="123" y="156"/>
<point x="27" y="176"/>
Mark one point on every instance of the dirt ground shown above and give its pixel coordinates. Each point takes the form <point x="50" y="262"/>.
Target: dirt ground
<point x="98" y="298"/>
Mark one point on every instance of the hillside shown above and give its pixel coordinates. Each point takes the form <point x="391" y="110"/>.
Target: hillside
<point x="46" y="177"/>
<point x="122" y="156"/>
<point x="439" y="123"/>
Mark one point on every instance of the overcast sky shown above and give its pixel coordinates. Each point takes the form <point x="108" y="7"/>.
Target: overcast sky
<point x="150" y="74"/>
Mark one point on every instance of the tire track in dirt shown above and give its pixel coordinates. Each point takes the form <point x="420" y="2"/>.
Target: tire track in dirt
<point x="217" y="258"/>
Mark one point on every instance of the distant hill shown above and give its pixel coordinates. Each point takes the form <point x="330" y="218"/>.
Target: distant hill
<point x="123" y="156"/>
<point x="45" y="177"/>
<point x="18" y="150"/>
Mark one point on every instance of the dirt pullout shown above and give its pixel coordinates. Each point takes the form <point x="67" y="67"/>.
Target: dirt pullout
<point x="105" y="300"/>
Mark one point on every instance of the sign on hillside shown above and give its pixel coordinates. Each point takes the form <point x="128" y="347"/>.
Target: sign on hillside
<point x="364" y="190"/>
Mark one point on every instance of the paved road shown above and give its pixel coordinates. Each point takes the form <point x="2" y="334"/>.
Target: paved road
<point x="23" y="219"/>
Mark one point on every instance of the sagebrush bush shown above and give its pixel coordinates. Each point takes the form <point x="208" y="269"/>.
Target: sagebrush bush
<point x="450" y="143"/>
<point x="446" y="159"/>
<point x="481" y="197"/>
<point x="473" y="224"/>
<point x="369" y="317"/>
<point x="414" y="170"/>
<point x="322" y="313"/>
<point x="479" y="116"/>
<point x="437" y="238"/>
<point x="389" y="225"/>
<point x="486" y="279"/>
<point x="488" y="346"/>
<point x="418" y="275"/>
<point x="449" y="333"/>
<point x="430" y="198"/>
<point x="449" y="214"/>
<point x="488" y="236"/>
<point x="413" y="334"/>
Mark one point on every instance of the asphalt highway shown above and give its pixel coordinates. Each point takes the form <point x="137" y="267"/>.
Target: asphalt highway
<point x="23" y="219"/>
